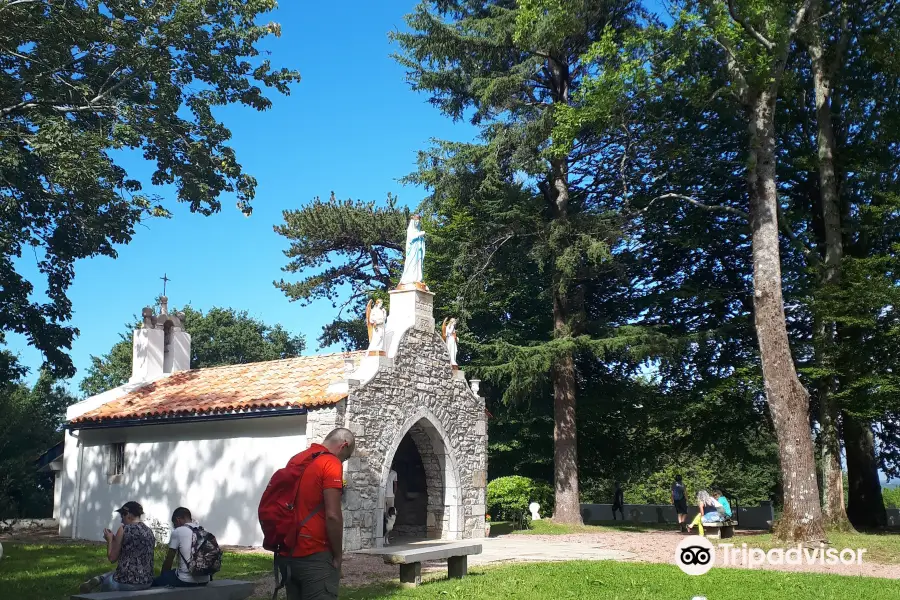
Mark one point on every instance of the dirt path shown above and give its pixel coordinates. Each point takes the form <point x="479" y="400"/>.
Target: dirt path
<point x="659" y="547"/>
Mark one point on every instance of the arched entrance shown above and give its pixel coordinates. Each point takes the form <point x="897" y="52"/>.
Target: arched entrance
<point x="427" y="501"/>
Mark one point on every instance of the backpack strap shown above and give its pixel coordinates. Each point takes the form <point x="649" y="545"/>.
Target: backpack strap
<point x="195" y="531"/>
<point x="282" y="571"/>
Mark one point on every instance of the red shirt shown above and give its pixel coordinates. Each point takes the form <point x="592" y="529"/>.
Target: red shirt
<point x="324" y="473"/>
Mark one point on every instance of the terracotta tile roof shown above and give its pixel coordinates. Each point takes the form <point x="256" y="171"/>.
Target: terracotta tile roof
<point x="293" y="382"/>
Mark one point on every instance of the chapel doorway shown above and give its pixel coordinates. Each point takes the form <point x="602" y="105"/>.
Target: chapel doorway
<point x="427" y="490"/>
<point x="412" y="493"/>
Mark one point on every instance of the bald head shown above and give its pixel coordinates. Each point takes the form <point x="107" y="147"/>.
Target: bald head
<point x="340" y="442"/>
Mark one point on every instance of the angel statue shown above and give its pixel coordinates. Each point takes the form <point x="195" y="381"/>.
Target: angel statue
<point x="375" y="318"/>
<point x="415" y="253"/>
<point x="448" y="332"/>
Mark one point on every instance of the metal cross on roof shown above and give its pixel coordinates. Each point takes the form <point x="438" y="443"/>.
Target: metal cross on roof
<point x="165" y="281"/>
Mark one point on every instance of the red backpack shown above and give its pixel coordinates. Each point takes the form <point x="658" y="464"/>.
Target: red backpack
<point x="277" y="507"/>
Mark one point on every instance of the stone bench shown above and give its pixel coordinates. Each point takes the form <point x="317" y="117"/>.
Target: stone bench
<point x="720" y="529"/>
<point x="220" y="589"/>
<point x="411" y="560"/>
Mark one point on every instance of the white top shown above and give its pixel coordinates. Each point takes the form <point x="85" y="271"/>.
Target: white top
<point x="392" y="478"/>
<point x="182" y="541"/>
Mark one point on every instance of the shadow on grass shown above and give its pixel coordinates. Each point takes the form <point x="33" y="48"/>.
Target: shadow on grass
<point x="54" y="572"/>
<point x="395" y="588"/>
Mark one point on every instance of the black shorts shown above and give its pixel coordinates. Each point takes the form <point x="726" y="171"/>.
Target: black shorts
<point x="681" y="506"/>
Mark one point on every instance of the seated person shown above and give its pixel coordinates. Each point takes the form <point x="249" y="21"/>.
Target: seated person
<point x="132" y="548"/>
<point x="181" y="544"/>
<point x="726" y="506"/>
<point x="709" y="511"/>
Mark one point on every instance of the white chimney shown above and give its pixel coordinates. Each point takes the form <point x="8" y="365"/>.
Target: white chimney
<point x="161" y="345"/>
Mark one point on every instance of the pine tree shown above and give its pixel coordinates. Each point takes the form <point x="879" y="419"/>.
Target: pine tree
<point x="354" y="243"/>
<point x="508" y="67"/>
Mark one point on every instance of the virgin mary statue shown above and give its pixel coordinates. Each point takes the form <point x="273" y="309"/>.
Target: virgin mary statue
<point x="415" y="253"/>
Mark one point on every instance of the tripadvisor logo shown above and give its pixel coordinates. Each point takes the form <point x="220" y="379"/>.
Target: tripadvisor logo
<point x="799" y="555"/>
<point x="696" y="555"/>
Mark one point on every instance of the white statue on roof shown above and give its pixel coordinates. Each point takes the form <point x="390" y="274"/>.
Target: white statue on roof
<point x="375" y="319"/>
<point x="415" y="253"/>
<point x="448" y="332"/>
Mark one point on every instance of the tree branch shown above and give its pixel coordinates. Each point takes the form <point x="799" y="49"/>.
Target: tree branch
<point x="698" y="204"/>
<point x="811" y="257"/>
<point x="766" y="42"/>
<point x="14" y="2"/>
<point x="737" y="73"/>
<point x="841" y="47"/>
<point x="60" y="108"/>
<point x="778" y="68"/>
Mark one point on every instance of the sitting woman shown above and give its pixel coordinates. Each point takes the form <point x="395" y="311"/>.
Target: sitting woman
<point x="132" y="548"/>
<point x="709" y="511"/>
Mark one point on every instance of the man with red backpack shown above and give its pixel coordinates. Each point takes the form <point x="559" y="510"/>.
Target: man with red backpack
<point x="300" y="515"/>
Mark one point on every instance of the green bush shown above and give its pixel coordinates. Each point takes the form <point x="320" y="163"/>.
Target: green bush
<point x="508" y="497"/>
<point x="891" y="497"/>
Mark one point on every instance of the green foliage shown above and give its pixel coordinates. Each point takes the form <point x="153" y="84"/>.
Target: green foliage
<point x="30" y="422"/>
<point x="222" y="336"/>
<point x="508" y="497"/>
<point x="891" y="497"/>
<point x="354" y="250"/>
<point x="83" y="84"/>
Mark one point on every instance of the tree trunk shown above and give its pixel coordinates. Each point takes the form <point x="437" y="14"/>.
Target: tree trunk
<point x="788" y="400"/>
<point x="832" y="479"/>
<point x="866" y="506"/>
<point x="565" y="450"/>
<point x="565" y="434"/>
<point x="566" y="306"/>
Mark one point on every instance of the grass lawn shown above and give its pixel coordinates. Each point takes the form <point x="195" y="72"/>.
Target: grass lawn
<point x="54" y="571"/>
<point x="634" y="581"/>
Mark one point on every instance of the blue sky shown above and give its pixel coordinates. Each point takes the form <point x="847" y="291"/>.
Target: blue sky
<point x="352" y="125"/>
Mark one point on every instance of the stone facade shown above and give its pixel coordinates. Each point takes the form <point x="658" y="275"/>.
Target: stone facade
<point x="414" y="392"/>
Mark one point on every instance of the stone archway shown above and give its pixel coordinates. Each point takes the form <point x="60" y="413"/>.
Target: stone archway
<point x="441" y="476"/>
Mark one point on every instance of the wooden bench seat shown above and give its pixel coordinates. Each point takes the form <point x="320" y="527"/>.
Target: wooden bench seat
<point x="220" y="589"/>
<point x="411" y="559"/>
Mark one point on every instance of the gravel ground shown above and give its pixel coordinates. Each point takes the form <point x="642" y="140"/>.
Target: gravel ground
<point x="659" y="547"/>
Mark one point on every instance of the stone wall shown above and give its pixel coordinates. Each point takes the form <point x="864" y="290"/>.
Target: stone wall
<point x="321" y="421"/>
<point x="417" y="392"/>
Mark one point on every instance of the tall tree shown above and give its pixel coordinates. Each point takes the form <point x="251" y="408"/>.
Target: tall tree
<point x="508" y="66"/>
<point x="30" y="421"/>
<point x="746" y="46"/>
<point x="835" y="145"/>
<point x="221" y="336"/>
<point x="824" y="70"/>
<point x="83" y="79"/>
<point x="757" y="43"/>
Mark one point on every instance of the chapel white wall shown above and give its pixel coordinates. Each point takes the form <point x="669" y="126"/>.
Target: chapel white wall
<point x="218" y="470"/>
